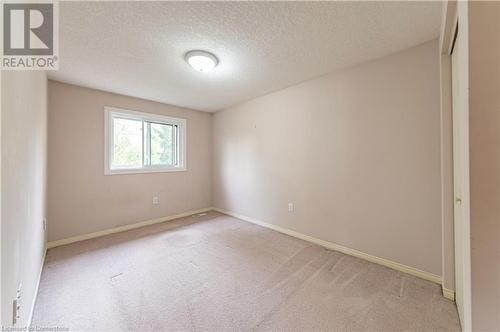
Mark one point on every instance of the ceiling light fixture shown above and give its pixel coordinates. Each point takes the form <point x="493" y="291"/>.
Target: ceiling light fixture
<point x="201" y="61"/>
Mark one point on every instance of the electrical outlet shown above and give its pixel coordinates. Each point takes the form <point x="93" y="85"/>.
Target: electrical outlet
<point x="16" y="306"/>
<point x="291" y="207"/>
<point x="44" y="224"/>
<point x="156" y="200"/>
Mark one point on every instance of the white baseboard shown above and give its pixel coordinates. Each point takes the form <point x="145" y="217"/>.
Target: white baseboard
<point x="119" y="229"/>
<point x="330" y="245"/>
<point x="33" y="302"/>
<point x="356" y="253"/>
<point x="448" y="293"/>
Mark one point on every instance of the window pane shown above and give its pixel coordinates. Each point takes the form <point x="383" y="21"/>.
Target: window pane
<point x="161" y="144"/>
<point x="127" y="143"/>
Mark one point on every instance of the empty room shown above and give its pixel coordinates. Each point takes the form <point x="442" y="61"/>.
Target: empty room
<point x="250" y="166"/>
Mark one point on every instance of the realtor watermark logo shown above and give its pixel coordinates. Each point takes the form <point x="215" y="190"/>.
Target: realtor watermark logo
<point x="30" y="36"/>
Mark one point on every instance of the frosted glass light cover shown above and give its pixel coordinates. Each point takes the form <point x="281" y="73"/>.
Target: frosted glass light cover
<point x="201" y="61"/>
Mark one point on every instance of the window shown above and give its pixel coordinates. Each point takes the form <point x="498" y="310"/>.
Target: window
<point x="138" y="142"/>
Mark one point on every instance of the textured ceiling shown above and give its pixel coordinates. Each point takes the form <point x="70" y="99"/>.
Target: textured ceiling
<point x="137" y="48"/>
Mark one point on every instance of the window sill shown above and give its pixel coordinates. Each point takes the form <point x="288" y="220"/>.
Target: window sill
<point x="143" y="171"/>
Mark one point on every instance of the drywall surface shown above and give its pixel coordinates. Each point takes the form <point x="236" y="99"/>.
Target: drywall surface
<point x="24" y="142"/>
<point x="81" y="199"/>
<point x="357" y="152"/>
<point x="484" y="140"/>
<point x="263" y="46"/>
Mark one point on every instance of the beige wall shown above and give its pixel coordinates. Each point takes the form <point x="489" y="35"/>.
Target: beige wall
<point x="357" y="151"/>
<point x="484" y="140"/>
<point x="81" y="199"/>
<point x="24" y="138"/>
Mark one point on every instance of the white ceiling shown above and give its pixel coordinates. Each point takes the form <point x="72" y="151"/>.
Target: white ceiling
<point x="137" y="48"/>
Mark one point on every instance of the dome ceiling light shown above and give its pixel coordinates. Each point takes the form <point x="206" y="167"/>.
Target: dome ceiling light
<point x="201" y="61"/>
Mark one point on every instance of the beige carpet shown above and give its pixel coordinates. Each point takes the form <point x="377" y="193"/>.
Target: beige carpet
<point x="218" y="273"/>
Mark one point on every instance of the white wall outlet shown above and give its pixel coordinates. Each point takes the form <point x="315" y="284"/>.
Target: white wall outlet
<point x="15" y="311"/>
<point x="16" y="306"/>
<point x="156" y="200"/>
<point x="291" y="207"/>
<point x="44" y="224"/>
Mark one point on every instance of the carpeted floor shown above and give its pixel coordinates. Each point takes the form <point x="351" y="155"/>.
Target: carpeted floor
<point x="218" y="273"/>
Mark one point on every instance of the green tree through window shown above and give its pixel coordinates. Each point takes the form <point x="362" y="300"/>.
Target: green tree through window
<point x="139" y="142"/>
<point x="161" y="144"/>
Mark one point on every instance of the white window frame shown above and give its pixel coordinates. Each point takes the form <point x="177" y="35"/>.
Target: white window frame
<point x="112" y="112"/>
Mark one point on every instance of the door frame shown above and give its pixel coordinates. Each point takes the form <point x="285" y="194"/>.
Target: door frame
<point x="456" y="12"/>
